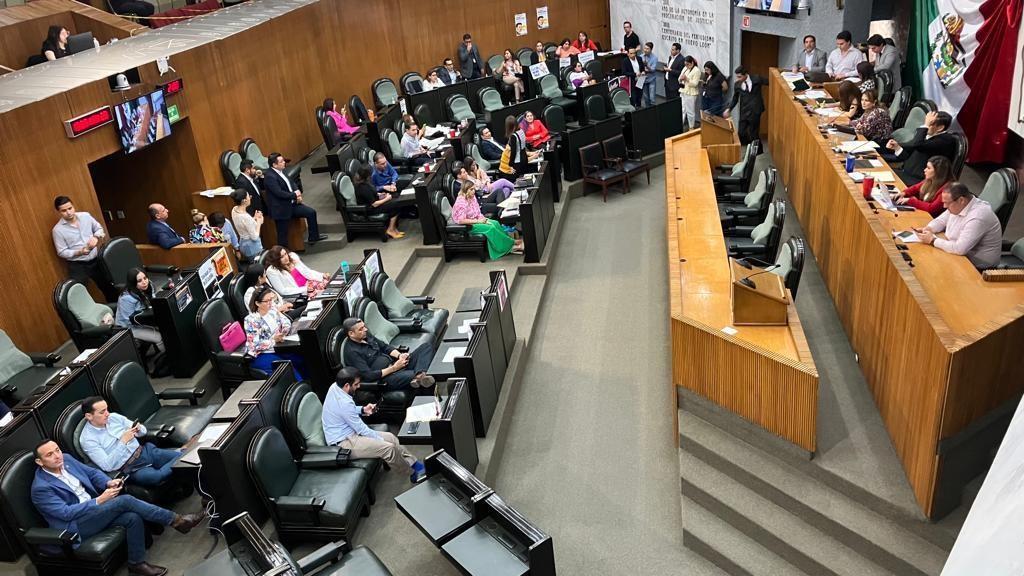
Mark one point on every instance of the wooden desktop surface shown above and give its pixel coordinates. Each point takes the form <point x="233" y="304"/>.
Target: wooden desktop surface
<point x="939" y="347"/>
<point x="763" y="373"/>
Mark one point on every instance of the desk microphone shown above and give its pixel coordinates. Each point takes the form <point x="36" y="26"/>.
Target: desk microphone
<point x="746" y="262"/>
<point x="750" y="283"/>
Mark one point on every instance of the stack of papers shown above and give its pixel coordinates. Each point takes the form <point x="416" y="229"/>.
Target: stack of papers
<point x="407" y="192"/>
<point x="857" y="145"/>
<point x="792" y="76"/>
<point x="421" y="413"/>
<point x="816" y="94"/>
<point x="222" y="191"/>
<point x="828" y="112"/>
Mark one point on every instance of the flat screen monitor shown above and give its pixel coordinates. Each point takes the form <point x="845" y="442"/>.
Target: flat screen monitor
<point x="768" y="6"/>
<point x="142" y="121"/>
<point x="80" y="43"/>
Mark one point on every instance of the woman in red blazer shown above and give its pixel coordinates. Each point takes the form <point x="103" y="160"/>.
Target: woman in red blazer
<point x="927" y="194"/>
<point x="584" y="43"/>
<point x="536" y="132"/>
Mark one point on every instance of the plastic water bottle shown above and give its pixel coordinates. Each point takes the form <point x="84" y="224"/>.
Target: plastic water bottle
<point x="344" y="269"/>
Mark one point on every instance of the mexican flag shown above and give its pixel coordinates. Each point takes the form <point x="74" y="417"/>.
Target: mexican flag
<point x="961" y="56"/>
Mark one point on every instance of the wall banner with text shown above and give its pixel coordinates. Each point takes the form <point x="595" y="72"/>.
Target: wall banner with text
<point x="700" y="26"/>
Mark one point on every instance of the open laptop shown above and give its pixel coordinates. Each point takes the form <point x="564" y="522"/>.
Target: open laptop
<point x="80" y="43"/>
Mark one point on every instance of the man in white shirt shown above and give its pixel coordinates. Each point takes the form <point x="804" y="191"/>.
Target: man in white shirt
<point x="77" y="237"/>
<point x="842" y="62"/>
<point x="111" y="442"/>
<point x="972" y="228"/>
<point x="344" y="427"/>
<point x="413" y="148"/>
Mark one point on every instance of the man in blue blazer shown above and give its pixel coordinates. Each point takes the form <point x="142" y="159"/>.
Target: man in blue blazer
<point x="284" y="200"/>
<point x="78" y="498"/>
<point x="159" y="231"/>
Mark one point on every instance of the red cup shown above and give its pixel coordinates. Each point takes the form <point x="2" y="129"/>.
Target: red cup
<point x="868" y="186"/>
<point x="426" y="168"/>
<point x="451" y="134"/>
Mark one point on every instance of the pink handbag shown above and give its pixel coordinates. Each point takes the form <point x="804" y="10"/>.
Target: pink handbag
<point x="232" y="336"/>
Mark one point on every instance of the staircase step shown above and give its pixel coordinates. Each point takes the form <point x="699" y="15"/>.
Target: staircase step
<point x="419" y="273"/>
<point x="888" y="542"/>
<point x="726" y="547"/>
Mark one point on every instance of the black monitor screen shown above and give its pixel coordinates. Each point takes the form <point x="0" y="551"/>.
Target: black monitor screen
<point x="142" y="121"/>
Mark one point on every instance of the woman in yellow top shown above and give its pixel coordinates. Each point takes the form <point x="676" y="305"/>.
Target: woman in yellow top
<point x="689" y="89"/>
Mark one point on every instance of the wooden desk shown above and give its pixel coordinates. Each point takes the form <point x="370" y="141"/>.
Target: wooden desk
<point x="763" y="373"/>
<point x="938" y="346"/>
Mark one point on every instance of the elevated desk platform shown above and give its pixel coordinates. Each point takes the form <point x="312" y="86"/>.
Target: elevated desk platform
<point x="765" y="374"/>
<point x="939" y="347"/>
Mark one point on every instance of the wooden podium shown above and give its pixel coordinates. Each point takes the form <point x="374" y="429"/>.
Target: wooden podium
<point x="760" y="301"/>
<point x="716" y="130"/>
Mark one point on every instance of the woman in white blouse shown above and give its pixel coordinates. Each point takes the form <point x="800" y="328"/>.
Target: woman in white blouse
<point x="290" y="277"/>
<point x="247" y="226"/>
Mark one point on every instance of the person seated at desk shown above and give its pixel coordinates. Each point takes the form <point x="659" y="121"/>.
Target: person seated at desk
<point x="433" y="81"/>
<point x="866" y="73"/>
<point x="285" y="202"/>
<point x="283" y="306"/>
<point x="412" y="148"/>
<point x="927" y="194"/>
<point x="384" y="177"/>
<point x="134" y="300"/>
<point x="490" y="148"/>
<point x="250" y="179"/>
<point x="842" y="62"/>
<point x="536" y="132"/>
<point x="219" y="222"/>
<point x="538" y="55"/>
<point x="375" y="361"/>
<point x="289" y="276"/>
<point x="158" y="231"/>
<point x="566" y="49"/>
<point x="972" y="228"/>
<point x="932" y="139"/>
<point x="583" y="43"/>
<point x="580" y="77"/>
<point x="56" y="44"/>
<point x="811" y="59"/>
<point x="378" y="202"/>
<point x="344" y="427"/>
<point x="111" y="442"/>
<point x="510" y="72"/>
<point x="875" y="123"/>
<point x="466" y="210"/>
<point x="488" y="200"/>
<point x="849" y="103"/>
<point x="248" y="226"/>
<point x="344" y="129"/>
<point x="449" y="75"/>
<point x="498" y="190"/>
<point x="265" y="327"/>
<point x="202" y="232"/>
<point x="74" y="497"/>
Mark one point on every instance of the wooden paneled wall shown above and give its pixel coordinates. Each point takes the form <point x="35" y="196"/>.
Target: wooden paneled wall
<point x="263" y="83"/>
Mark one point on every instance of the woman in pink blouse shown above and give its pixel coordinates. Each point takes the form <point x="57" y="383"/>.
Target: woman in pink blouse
<point x="265" y="327"/>
<point x="467" y="211"/>
<point x="340" y="119"/>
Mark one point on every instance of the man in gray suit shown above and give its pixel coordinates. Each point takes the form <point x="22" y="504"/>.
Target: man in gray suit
<point x="673" y="68"/>
<point x="469" y="59"/>
<point x="886" y="58"/>
<point x="811" y="59"/>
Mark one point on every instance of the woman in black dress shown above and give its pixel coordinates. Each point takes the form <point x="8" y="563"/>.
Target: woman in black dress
<point x="714" y="85"/>
<point x="377" y="202"/>
<point x="56" y="43"/>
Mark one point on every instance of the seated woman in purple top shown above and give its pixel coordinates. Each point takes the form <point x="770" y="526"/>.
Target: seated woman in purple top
<point x="340" y="120"/>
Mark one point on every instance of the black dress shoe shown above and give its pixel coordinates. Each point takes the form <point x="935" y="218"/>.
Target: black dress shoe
<point x="317" y="239"/>
<point x="146" y="569"/>
<point x="185" y="523"/>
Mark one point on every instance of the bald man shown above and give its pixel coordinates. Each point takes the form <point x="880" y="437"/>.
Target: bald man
<point x="159" y="231"/>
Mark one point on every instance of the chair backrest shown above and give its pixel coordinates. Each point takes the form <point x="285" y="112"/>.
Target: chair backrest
<point x="358" y="109"/>
<point x="904" y="94"/>
<point x="394" y="144"/>
<point x="376" y="323"/>
<point x="321" y="124"/>
<point x="459" y="109"/>
<point x="1017" y="249"/>
<point x="494" y="62"/>
<point x="596" y="69"/>
<point x="423" y="115"/>
<point x="12" y="360"/>
<point x="408" y="79"/>
<point x="129" y="392"/>
<point x="118" y="257"/>
<point x="251" y="151"/>
<point x="301" y="416"/>
<point x="490" y="99"/>
<point x="549" y="87"/>
<point x="444" y="209"/>
<point x="270" y="463"/>
<point x="398" y="125"/>
<point x="775" y="234"/>
<point x="525" y="56"/>
<point x="563" y="80"/>
<point x="474" y="151"/>
<point x="60" y="305"/>
<point x="550" y="50"/>
<point x="590" y="156"/>
<point x="87" y="311"/>
<point x="384" y="92"/>
<point x="212" y="317"/>
<point x="230" y="166"/>
<point x="960" y="155"/>
<point x="351" y="167"/>
<point x="68" y="431"/>
<point x="396" y="304"/>
<point x="236" y="295"/>
<point x="1001" y="193"/>
<point x="790" y="263"/>
<point x="615" y="147"/>
<point x="915" y="115"/>
<point x="883" y="81"/>
<point x="620" y="101"/>
<point x="595" y="108"/>
<point x="15" y="488"/>
<point x="344" y="193"/>
<point x="554" y="118"/>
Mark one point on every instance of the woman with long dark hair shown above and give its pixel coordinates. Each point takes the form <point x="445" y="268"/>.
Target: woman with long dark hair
<point x="290" y="277"/>
<point x="134" y="300"/>
<point x="927" y="194"/>
<point x="56" y="43"/>
<point x="344" y="129"/>
<point x="265" y="327"/>
<point x="713" y="85"/>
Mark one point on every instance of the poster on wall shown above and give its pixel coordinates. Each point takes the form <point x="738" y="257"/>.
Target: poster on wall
<point x="701" y="27"/>
<point x="521" y="24"/>
<point x="542" y="18"/>
<point x="1016" y="117"/>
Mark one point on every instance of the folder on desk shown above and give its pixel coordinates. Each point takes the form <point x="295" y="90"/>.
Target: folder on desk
<point x="759" y="298"/>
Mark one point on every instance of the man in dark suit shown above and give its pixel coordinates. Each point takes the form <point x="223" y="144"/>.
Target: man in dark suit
<point x="250" y="180"/>
<point x="932" y="139"/>
<point x="448" y="74"/>
<point x="633" y="67"/>
<point x="747" y="93"/>
<point x="285" y="202"/>
<point x="159" y="231"/>
<point x="80" y="499"/>
<point x="673" y="68"/>
<point x="469" y="59"/>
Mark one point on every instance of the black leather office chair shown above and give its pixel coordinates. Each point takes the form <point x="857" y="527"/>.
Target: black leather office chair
<point x="912" y="120"/>
<point x="550" y="50"/>
<point x="322" y="504"/>
<point x="549" y="89"/>
<point x="900" y="106"/>
<point x="357" y="218"/>
<point x="120" y="255"/>
<point x="567" y="87"/>
<point x="230" y="166"/>
<point x="595" y="107"/>
<point x="761" y="241"/>
<point x="232" y="367"/>
<point x="1000" y="192"/>
<point x="399" y="307"/>
<point x="490" y="101"/>
<point x="960" y="155"/>
<point x="554" y="119"/>
<point x="408" y="83"/>
<point x="1012" y="257"/>
<point x="396" y="332"/>
<point x="302" y="425"/>
<point x="249" y="150"/>
<point x="236" y="296"/>
<point x="790" y="263"/>
<point x="358" y="109"/>
<point x="629" y="161"/>
<point x="455" y="238"/>
<point x="883" y="85"/>
<point x="524" y="56"/>
<point x="129" y="392"/>
<point x="423" y="115"/>
<point x="393" y="150"/>
<point x="68" y="432"/>
<point x="20" y="373"/>
<point x="596" y="170"/>
<point x="736" y="177"/>
<point x="458" y="109"/>
<point x="391" y="404"/>
<point x="596" y="69"/>
<point x="78" y="311"/>
<point x="53" y="552"/>
<point x="321" y="117"/>
<point x="739" y="208"/>
<point x="620" y="101"/>
<point x="384" y="92"/>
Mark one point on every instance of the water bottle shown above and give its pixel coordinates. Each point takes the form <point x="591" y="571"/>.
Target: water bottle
<point x="850" y="159"/>
<point x="344" y="269"/>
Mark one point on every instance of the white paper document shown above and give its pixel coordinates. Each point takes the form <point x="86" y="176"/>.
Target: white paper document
<point x="814" y="94"/>
<point x="422" y="413"/>
<point x="465" y="327"/>
<point x="858" y="145"/>
<point x="828" y="112"/>
<point x="887" y="177"/>
<point x="451" y="353"/>
<point x="876" y="163"/>
<point x="83" y="356"/>
<point x="408" y="192"/>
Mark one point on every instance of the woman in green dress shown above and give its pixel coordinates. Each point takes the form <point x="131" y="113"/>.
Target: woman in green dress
<point x="467" y="211"/>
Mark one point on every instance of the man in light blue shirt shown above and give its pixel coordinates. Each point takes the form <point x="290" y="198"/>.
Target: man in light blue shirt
<point x="651" y="81"/>
<point x="344" y="427"/>
<point x="111" y="442"/>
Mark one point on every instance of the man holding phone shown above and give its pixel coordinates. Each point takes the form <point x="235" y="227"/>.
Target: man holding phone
<point x="111" y="441"/>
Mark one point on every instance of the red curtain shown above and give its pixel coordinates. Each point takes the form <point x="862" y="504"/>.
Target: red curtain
<point x="984" y="115"/>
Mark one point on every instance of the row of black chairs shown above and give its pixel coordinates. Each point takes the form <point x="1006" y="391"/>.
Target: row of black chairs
<point x="610" y="162"/>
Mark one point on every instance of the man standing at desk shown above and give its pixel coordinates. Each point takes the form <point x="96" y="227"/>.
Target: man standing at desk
<point x="77" y="237"/>
<point x="248" y="180"/>
<point x="972" y="228"/>
<point x="344" y="427"/>
<point x="747" y="93"/>
<point x="376" y="361"/>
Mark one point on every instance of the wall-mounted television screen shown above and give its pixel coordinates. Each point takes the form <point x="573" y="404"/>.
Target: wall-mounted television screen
<point x="142" y="121"/>
<point x="769" y="6"/>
